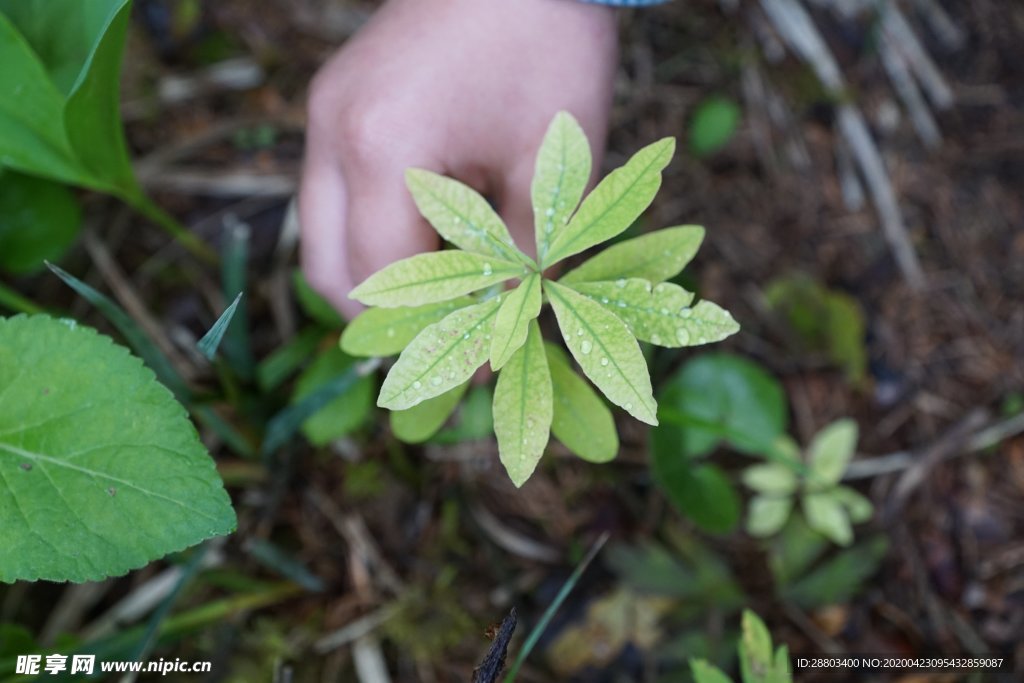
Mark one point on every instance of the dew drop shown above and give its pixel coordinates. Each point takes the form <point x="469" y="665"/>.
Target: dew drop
<point x="604" y="299"/>
<point x="579" y="332"/>
<point x="620" y="283"/>
<point x="586" y="347"/>
<point x="628" y="406"/>
<point x="417" y="384"/>
<point x="456" y="220"/>
<point x="655" y="339"/>
<point x="685" y="312"/>
<point x="487" y="269"/>
<point x="683" y="335"/>
<point x="620" y="303"/>
<point x="466" y="336"/>
<point x="435" y="380"/>
<point x="604" y="361"/>
<point x="647" y="287"/>
<point x="550" y="212"/>
<point x="391" y="332"/>
<point x="664" y="311"/>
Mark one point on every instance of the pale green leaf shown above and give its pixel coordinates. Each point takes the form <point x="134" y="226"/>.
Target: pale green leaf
<point x="830" y="452"/>
<point x="581" y="419"/>
<point x="344" y="413"/>
<point x="755" y="649"/>
<point x="827" y="515"/>
<point x="771" y="478"/>
<point x="661" y="314"/>
<point x="703" y="672"/>
<point x="521" y="306"/>
<point x="442" y="356"/>
<point x="433" y="277"/>
<point x="656" y="256"/>
<point x="857" y="506"/>
<point x="101" y="470"/>
<point x="386" y="331"/>
<point x="605" y="350"/>
<point x="768" y="514"/>
<point x="462" y="216"/>
<point x="615" y="203"/>
<point x="559" y="179"/>
<point x="523" y="408"/>
<point x="419" y="423"/>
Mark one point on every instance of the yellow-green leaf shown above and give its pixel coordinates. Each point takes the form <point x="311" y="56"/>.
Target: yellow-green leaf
<point x="827" y="515"/>
<point x="442" y="356"/>
<point x="559" y="179"/>
<point x="462" y="216"/>
<point x="830" y="452"/>
<point x="521" y="305"/>
<point x="581" y="420"/>
<point x="386" y="331"/>
<point x="615" y="203"/>
<point x="419" y="423"/>
<point x="768" y="514"/>
<point x="436" y="276"/>
<point x="605" y="350"/>
<point x="523" y="408"/>
<point x="661" y="314"/>
<point x="656" y="256"/>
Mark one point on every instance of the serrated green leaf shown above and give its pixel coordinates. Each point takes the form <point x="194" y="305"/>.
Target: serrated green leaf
<point x="344" y="413"/>
<point x="523" y="408"/>
<point x="615" y="203"/>
<point x="755" y="649"/>
<point x="830" y="452"/>
<point x="521" y="306"/>
<point x="703" y="672"/>
<point x="605" y="350"/>
<point x="662" y="314"/>
<point x="771" y="478"/>
<point x="442" y="356"/>
<point x="857" y="506"/>
<point x="39" y="221"/>
<point x="433" y="277"/>
<point x="100" y="469"/>
<point x="656" y="256"/>
<point x="419" y="423"/>
<point x="826" y="515"/>
<point x="581" y="420"/>
<point x="559" y="179"/>
<point x="386" y="331"/>
<point x="768" y="514"/>
<point x="462" y="216"/>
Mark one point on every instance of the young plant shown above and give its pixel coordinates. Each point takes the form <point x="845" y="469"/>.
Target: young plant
<point x="758" y="662"/>
<point x="829" y="508"/>
<point x="447" y="312"/>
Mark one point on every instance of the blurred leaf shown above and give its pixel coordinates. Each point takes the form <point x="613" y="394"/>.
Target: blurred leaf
<point x="314" y="305"/>
<point x="857" y="506"/>
<point x="284" y="563"/>
<point x="581" y="420"/>
<point x="650" y="568"/>
<point x="840" y="578"/>
<point x="39" y="221"/>
<point x="771" y="478"/>
<point x="713" y="125"/>
<point x="707" y="673"/>
<point x="826" y="515"/>
<point x="475" y="420"/>
<point x="16" y="640"/>
<point x="281" y="363"/>
<point x="830" y="452"/>
<point x="715" y="397"/>
<point x="211" y="340"/>
<point x="703" y="493"/>
<point x="363" y="481"/>
<point x="419" y="423"/>
<point x="768" y="514"/>
<point x="755" y="649"/>
<point x="344" y="413"/>
<point x="794" y="550"/>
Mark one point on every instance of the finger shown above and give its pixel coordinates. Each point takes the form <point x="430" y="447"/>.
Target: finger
<point x="515" y="205"/>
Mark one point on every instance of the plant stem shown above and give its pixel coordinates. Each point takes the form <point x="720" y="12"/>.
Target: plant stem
<point x="16" y="302"/>
<point x="145" y="206"/>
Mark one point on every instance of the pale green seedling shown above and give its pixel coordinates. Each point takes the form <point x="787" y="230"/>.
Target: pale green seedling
<point x="450" y="312"/>
<point x="829" y="508"/>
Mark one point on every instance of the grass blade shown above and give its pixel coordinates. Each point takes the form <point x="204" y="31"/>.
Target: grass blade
<point x="211" y="340"/>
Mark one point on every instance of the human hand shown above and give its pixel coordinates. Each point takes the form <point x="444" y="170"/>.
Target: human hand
<point x="460" y="87"/>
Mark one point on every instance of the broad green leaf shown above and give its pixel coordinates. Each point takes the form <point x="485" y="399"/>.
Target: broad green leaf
<point x="211" y="340"/>
<point x="840" y="578"/>
<point x="39" y="221"/>
<point x="615" y="203"/>
<point x="713" y="125"/>
<point x="100" y="469"/>
<point x="716" y="397"/>
<point x="656" y="256"/>
<point x="772" y="478"/>
<point x="341" y="415"/>
<point x="703" y="672"/>
<point x="386" y="331"/>
<point x="794" y="550"/>
<point x="830" y="452"/>
<point x="857" y="506"/>
<point x="768" y="514"/>
<point x="474" y="420"/>
<point x="581" y="419"/>
<point x="523" y="408"/>
<point x="521" y="306"/>
<point x="433" y="277"/>
<point x="442" y="356"/>
<point x="559" y="179"/>
<point x="462" y="216"/>
<point x="661" y="314"/>
<point x="79" y="47"/>
<point x="605" y="350"/>
<point x="702" y="493"/>
<point x="755" y="649"/>
<point x="827" y="515"/>
<point x="419" y="423"/>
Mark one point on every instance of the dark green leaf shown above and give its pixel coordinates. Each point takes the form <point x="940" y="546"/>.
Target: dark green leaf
<point x="346" y="411"/>
<point x="701" y="492"/>
<point x="840" y="578"/>
<point x="39" y="220"/>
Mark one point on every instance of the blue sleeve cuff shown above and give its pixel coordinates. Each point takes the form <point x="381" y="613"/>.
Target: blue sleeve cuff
<point x="626" y="3"/>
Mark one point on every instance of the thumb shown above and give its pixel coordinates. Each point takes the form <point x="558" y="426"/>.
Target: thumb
<point x="515" y="205"/>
